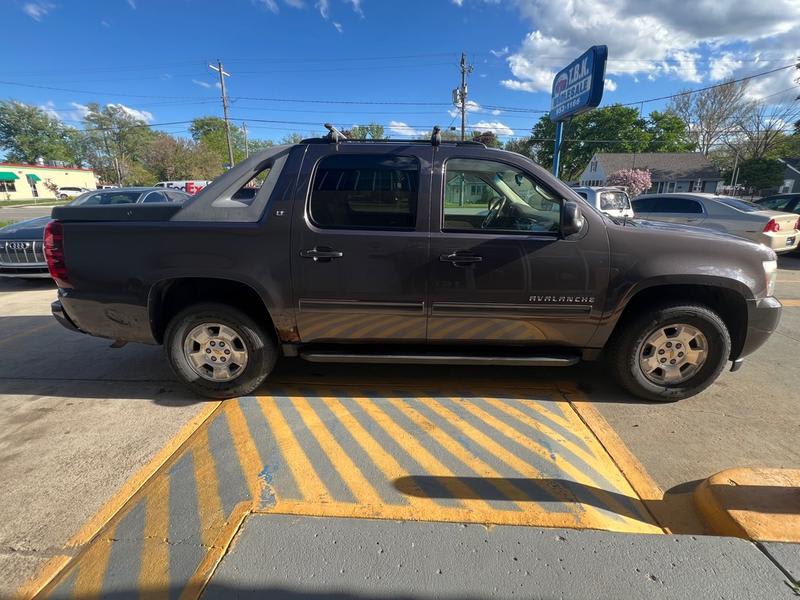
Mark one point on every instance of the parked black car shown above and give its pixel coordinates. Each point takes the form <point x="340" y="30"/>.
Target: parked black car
<point x="405" y="252"/>
<point x="22" y="243"/>
<point x="782" y="202"/>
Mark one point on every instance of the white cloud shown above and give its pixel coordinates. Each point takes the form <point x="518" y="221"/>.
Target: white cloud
<point x="324" y="8"/>
<point x="654" y="39"/>
<point x="81" y="110"/>
<point x="472" y="106"/>
<point x="496" y="112"/>
<point x="132" y="4"/>
<point x="458" y="2"/>
<point x="295" y="3"/>
<point x="270" y="5"/>
<point x="404" y="130"/>
<point x="338" y="27"/>
<point x="496" y="126"/>
<point x="357" y="7"/>
<point x="105" y="23"/>
<point x="142" y="115"/>
<point x="610" y="85"/>
<point x="722" y="67"/>
<point x="206" y="84"/>
<point x="37" y="10"/>
<point x="500" y="53"/>
<point x="49" y="108"/>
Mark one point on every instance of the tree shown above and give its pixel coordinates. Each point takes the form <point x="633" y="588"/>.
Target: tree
<point x="487" y="138"/>
<point x="710" y="114"/>
<point x="668" y="133"/>
<point x="117" y="141"/>
<point x="760" y="130"/>
<point x="210" y="131"/>
<point x="612" y="128"/>
<point x="521" y="146"/>
<point x="635" y="181"/>
<point x="28" y="133"/>
<point x="373" y="131"/>
<point x="761" y="173"/>
<point x="292" y="138"/>
<point x="168" y="158"/>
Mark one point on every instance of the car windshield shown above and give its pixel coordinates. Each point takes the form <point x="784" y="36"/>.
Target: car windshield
<point x="109" y="197"/>
<point x="615" y="200"/>
<point x="742" y="205"/>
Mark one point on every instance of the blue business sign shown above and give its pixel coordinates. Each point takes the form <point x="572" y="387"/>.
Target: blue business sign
<point x="579" y="87"/>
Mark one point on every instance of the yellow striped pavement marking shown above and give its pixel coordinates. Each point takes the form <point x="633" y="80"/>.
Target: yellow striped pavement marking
<point x="350" y="473"/>
<point x="309" y="483"/>
<point x="154" y="570"/>
<point x="791" y="302"/>
<point x="508" y="489"/>
<point x="92" y="568"/>
<point x="209" y="504"/>
<point x="457" y="459"/>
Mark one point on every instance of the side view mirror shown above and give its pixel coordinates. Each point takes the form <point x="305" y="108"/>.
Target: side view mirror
<point x="571" y="218"/>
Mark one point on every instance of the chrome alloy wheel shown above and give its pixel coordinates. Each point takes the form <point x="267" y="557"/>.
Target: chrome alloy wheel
<point x="215" y="352"/>
<point x="673" y="353"/>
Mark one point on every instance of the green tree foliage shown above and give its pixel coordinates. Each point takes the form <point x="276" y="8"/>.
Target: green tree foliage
<point x="372" y="131"/>
<point x="668" y="133"/>
<point x="612" y="128"/>
<point x="28" y="133"/>
<point x="168" y="158"/>
<point x="117" y="142"/>
<point x="210" y="131"/>
<point x="761" y="173"/>
<point x="292" y="138"/>
<point x="488" y="138"/>
<point x="521" y="146"/>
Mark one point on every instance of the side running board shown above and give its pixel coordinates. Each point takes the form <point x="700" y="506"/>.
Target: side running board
<point x="440" y="359"/>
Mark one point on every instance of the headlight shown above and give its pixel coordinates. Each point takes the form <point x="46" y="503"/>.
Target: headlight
<point x="771" y="275"/>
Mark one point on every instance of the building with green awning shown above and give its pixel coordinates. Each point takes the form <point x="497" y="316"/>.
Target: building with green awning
<point x="35" y="182"/>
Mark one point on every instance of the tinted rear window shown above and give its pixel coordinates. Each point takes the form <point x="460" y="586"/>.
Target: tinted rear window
<point x="365" y="192"/>
<point x="667" y="205"/>
<point x="107" y="198"/>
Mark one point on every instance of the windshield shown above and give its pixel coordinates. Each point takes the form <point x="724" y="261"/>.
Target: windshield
<point x="742" y="205"/>
<point x="109" y="197"/>
<point x="616" y="200"/>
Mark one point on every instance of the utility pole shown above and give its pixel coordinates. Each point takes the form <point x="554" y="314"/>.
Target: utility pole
<point x="460" y="94"/>
<point x="222" y="76"/>
<point x="246" y="147"/>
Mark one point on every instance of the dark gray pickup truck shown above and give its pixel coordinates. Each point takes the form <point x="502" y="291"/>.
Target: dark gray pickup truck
<point x="408" y="252"/>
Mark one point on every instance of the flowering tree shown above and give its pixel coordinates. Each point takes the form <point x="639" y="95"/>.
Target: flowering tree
<point x="635" y="181"/>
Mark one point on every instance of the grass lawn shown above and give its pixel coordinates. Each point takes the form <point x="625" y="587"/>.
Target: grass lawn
<point x="4" y="223"/>
<point x="42" y="202"/>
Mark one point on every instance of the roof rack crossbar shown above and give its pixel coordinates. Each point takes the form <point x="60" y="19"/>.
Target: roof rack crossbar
<point x="326" y="140"/>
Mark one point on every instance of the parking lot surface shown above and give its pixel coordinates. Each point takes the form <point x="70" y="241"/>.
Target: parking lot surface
<point x="109" y="463"/>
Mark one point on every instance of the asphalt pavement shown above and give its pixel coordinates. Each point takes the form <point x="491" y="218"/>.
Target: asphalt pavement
<point x="22" y="213"/>
<point x="89" y="433"/>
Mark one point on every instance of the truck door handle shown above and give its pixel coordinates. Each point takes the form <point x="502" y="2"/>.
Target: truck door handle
<point x="321" y="254"/>
<point x="460" y="258"/>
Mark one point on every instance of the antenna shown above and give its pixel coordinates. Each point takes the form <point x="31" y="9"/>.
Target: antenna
<point x="334" y="135"/>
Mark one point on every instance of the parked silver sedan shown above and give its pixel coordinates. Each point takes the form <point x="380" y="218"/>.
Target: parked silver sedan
<point x="777" y="230"/>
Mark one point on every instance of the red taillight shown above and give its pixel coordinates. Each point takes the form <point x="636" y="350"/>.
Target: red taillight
<point x="54" y="252"/>
<point x="772" y="227"/>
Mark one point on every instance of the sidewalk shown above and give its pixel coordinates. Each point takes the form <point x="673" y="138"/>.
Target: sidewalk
<point x="288" y="557"/>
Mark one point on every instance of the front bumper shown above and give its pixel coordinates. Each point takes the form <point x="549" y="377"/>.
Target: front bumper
<point x="763" y="316"/>
<point x="58" y="312"/>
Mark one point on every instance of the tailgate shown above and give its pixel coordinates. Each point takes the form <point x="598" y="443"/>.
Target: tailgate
<point x="121" y="212"/>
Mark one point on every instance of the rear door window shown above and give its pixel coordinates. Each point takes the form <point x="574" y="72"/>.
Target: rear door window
<point x="365" y="192"/>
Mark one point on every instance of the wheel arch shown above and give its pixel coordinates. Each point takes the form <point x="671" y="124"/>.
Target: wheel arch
<point x="169" y="296"/>
<point x="728" y="298"/>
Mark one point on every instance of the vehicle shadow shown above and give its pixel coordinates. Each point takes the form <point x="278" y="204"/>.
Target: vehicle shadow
<point x="790" y="261"/>
<point x="675" y="511"/>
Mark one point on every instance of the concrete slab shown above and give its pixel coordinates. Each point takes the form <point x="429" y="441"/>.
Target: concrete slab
<point x="284" y="557"/>
<point x="786" y="555"/>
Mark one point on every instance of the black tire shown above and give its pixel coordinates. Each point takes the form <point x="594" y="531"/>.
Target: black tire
<point x="631" y="335"/>
<point x="261" y="349"/>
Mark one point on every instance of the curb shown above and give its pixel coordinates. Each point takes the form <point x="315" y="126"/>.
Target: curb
<point x="757" y="504"/>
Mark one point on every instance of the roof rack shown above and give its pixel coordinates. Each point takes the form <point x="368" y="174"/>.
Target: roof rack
<point x="325" y="140"/>
<point x="337" y="137"/>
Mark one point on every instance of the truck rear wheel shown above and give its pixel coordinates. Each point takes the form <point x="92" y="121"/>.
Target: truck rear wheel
<point x="218" y="351"/>
<point x="672" y="352"/>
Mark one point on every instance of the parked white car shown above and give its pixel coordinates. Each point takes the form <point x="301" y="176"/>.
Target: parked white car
<point x="613" y="201"/>
<point x="70" y="192"/>
<point x="774" y="229"/>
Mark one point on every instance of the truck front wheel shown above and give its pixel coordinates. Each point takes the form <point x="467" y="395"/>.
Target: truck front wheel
<point x="218" y="351"/>
<point x="671" y="352"/>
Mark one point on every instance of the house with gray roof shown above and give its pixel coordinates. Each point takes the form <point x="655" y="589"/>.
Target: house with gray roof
<point x="669" y="171"/>
<point x="791" y="176"/>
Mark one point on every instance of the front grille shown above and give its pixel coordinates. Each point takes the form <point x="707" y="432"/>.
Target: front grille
<point x="22" y="252"/>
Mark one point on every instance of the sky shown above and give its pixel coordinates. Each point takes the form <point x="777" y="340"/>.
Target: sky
<point x="295" y="64"/>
